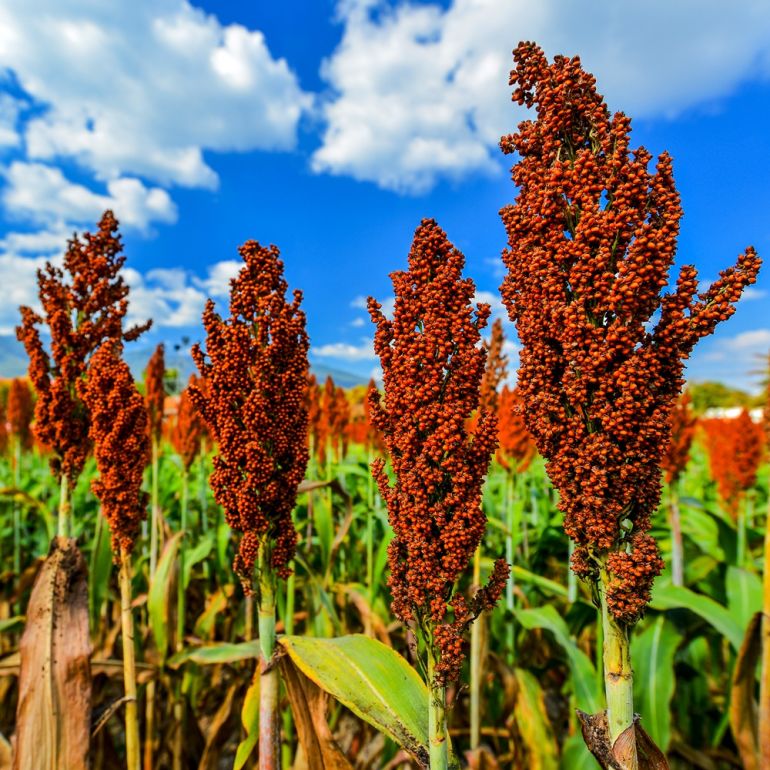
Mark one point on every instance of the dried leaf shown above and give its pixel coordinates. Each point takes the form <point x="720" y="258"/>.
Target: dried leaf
<point x="481" y="759"/>
<point x="308" y="705"/>
<point x="620" y="756"/>
<point x="744" y="721"/>
<point x="216" y="734"/>
<point x="53" y="715"/>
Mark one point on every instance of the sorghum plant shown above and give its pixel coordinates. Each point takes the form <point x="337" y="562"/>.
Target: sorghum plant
<point x="255" y="407"/>
<point x="118" y="430"/>
<point x="432" y="368"/>
<point x="84" y="304"/>
<point x="591" y="239"/>
<point x="19" y="412"/>
<point x="154" y="397"/>
<point x="673" y="462"/>
<point x="495" y="370"/>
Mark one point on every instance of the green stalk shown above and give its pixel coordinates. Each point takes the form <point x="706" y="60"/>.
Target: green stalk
<point x="509" y="586"/>
<point x="63" y="528"/>
<point x="202" y="483"/>
<point x="370" y="533"/>
<point x="741" y="524"/>
<point x="288" y="624"/>
<point x="155" y="513"/>
<point x="16" y="507"/>
<point x="677" y="549"/>
<point x="437" y="728"/>
<point x="618" y="677"/>
<point x="269" y="729"/>
<point x="764" y="681"/>
<point x="180" y="588"/>
<point x="475" y="684"/>
<point x="572" y="587"/>
<point x="129" y="664"/>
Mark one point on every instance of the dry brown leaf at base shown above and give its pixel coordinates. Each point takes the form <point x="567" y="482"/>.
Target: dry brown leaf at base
<point x="308" y="705"/>
<point x="620" y="755"/>
<point x="744" y="714"/>
<point x="53" y="715"/>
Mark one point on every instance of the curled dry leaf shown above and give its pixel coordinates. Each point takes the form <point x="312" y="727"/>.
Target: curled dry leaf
<point x="620" y="755"/>
<point x="744" y="721"/>
<point x="53" y="715"/>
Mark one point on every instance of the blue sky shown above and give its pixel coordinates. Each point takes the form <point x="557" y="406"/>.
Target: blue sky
<point x="332" y="128"/>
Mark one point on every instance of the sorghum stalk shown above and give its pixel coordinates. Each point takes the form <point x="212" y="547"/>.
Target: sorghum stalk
<point x="118" y="429"/>
<point x="63" y="518"/>
<point x="269" y="725"/>
<point x="129" y="664"/>
<point x="16" y="507"/>
<point x="475" y="684"/>
<point x="432" y="369"/>
<point x="255" y="406"/>
<point x="764" y="681"/>
<point x="592" y="237"/>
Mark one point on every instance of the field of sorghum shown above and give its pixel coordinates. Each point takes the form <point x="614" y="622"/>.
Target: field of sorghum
<point x="268" y="571"/>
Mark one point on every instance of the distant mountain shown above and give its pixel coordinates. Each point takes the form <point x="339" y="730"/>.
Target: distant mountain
<point x="13" y="362"/>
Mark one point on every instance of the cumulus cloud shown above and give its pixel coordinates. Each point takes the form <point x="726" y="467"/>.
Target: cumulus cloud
<point x="344" y="351"/>
<point x="143" y="88"/>
<point x="19" y="287"/>
<point x="733" y="359"/>
<point x="420" y="92"/>
<point x="9" y="114"/>
<point x="43" y="195"/>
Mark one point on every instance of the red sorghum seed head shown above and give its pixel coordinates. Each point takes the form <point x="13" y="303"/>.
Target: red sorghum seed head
<point x="677" y="454"/>
<point x="496" y="368"/>
<point x="118" y="430"/>
<point x="155" y="391"/>
<point x="592" y="237"/>
<point x="432" y="366"/>
<point x="20" y="411"/>
<point x="84" y="304"/>
<point x="735" y="452"/>
<point x="188" y="429"/>
<point x="516" y="447"/>
<point x="255" y="406"/>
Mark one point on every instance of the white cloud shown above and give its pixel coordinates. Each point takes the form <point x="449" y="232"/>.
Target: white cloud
<point x="735" y="360"/>
<point x="217" y="282"/>
<point x="358" y="323"/>
<point x="9" y="114"/>
<point x="420" y="92"/>
<point x="144" y="88"/>
<point x="346" y="352"/>
<point x="43" y="195"/>
<point x="19" y="287"/>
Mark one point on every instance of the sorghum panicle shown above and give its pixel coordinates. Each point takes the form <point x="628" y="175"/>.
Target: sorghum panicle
<point x="592" y="236"/>
<point x="432" y="368"/>
<point x="516" y="447"/>
<point x="188" y="430"/>
<point x="118" y="430"/>
<point x="155" y="391"/>
<point x="255" y="407"/>
<point x="20" y="411"/>
<point x="84" y="304"/>
<point x="496" y="368"/>
<point x="677" y="454"/>
<point x="735" y="452"/>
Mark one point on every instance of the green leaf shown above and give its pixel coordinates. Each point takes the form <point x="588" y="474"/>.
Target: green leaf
<point x="669" y="597"/>
<point x="211" y="654"/>
<point x="250" y="722"/>
<point x="653" y="652"/>
<point x="533" y="724"/>
<point x="197" y="554"/>
<point x="99" y="570"/>
<point x="744" y="595"/>
<point x="575" y="754"/>
<point x="370" y="679"/>
<point x="581" y="667"/>
<point x="159" y="595"/>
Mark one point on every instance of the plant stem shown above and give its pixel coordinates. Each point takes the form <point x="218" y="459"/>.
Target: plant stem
<point x="437" y="728"/>
<point x="740" y="557"/>
<point x="63" y="527"/>
<point x="269" y="730"/>
<point x="476" y="660"/>
<point x="677" y="550"/>
<point x="16" y="507"/>
<point x="572" y="587"/>
<point x="202" y="484"/>
<point x="155" y="512"/>
<point x="180" y="587"/>
<point x="129" y="665"/>
<point x="618" y="676"/>
<point x="509" y="549"/>
<point x="764" y="681"/>
<point x="288" y="624"/>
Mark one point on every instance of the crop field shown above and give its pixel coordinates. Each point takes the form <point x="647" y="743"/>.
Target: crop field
<point x="460" y="565"/>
